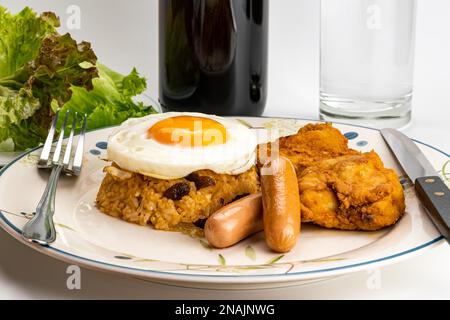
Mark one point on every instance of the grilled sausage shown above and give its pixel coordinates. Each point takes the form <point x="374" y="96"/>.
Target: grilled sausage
<point x="281" y="203"/>
<point x="235" y="222"/>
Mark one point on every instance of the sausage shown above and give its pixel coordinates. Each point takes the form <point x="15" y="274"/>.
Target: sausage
<point x="235" y="222"/>
<point x="281" y="203"/>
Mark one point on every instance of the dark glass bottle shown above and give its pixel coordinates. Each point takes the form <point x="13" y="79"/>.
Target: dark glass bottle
<point x="213" y="56"/>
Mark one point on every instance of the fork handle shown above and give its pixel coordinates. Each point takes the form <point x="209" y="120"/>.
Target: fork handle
<point x="41" y="228"/>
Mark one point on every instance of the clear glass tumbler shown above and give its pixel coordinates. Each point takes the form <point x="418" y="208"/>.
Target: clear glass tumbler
<point x="367" y="61"/>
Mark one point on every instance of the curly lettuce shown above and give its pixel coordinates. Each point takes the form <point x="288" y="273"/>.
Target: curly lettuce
<point x="41" y="71"/>
<point x="16" y="106"/>
<point x="21" y="36"/>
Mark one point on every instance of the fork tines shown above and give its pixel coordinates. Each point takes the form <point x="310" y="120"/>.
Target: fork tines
<point x="51" y="156"/>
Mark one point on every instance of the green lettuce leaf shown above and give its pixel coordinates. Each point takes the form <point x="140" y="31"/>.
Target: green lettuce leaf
<point x="110" y="102"/>
<point x="128" y="86"/>
<point x="7" y="145"/>
<point x="22" y="136"/>
<point x="21" y="36"/>
<point x="16" y="106"/>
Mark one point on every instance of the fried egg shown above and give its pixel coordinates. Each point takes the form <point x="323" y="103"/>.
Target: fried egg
<point x="173" y="145"/>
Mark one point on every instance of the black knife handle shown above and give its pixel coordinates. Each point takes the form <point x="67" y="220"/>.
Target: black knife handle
<point x="435" y="197"/>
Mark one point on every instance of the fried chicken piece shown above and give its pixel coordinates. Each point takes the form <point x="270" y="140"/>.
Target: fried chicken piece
<point x="312" y="143"/>
<point x="339" y="187"/>
<point x="352" y="192"/>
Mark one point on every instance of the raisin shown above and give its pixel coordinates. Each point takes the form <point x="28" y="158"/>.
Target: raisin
<point x="177" y="191"/>
<point x="192" y="177"/>
<point x="200" y="223"/>
<point x="205" y="182"/>
<point x="201" y="181"/>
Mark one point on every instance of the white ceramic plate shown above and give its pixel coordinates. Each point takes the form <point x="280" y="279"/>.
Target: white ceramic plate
<point x="92" y="239"/>
<point x="7" y="157"/>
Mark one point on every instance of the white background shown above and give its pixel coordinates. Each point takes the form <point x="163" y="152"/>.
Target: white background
<point x="124" y="34"/>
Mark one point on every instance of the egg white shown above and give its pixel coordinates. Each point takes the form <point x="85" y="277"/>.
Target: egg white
<point x="130" y="148"/>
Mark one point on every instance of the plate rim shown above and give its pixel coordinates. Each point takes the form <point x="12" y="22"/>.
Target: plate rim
<point x="212" y="278"/>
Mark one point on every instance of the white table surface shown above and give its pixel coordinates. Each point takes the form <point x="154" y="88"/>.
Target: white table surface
<point x="125" y="35"/>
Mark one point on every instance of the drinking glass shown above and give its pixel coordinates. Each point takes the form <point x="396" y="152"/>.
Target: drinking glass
<point x="367" y="57"/>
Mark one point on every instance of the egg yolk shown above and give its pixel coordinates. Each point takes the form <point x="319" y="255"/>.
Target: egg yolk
<point x="188" y="131"/>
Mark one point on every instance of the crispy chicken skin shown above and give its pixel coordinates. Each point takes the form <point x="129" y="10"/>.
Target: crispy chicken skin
<point x="354" y="192"/>
<point x="312" y="143"/>
<point x="339" y="187"/>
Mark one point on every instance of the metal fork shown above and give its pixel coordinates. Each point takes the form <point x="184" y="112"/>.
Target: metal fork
<point x="40" y="228"/>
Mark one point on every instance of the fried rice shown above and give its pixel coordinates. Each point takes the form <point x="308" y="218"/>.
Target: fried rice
<point x="167" y="204"/>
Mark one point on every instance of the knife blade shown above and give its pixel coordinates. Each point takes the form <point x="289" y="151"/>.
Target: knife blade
<point x="412" y="160"/>
<point x="431" y="190"/>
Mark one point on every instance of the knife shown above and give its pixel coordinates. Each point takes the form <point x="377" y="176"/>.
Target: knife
<point x="431" y="190"/>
